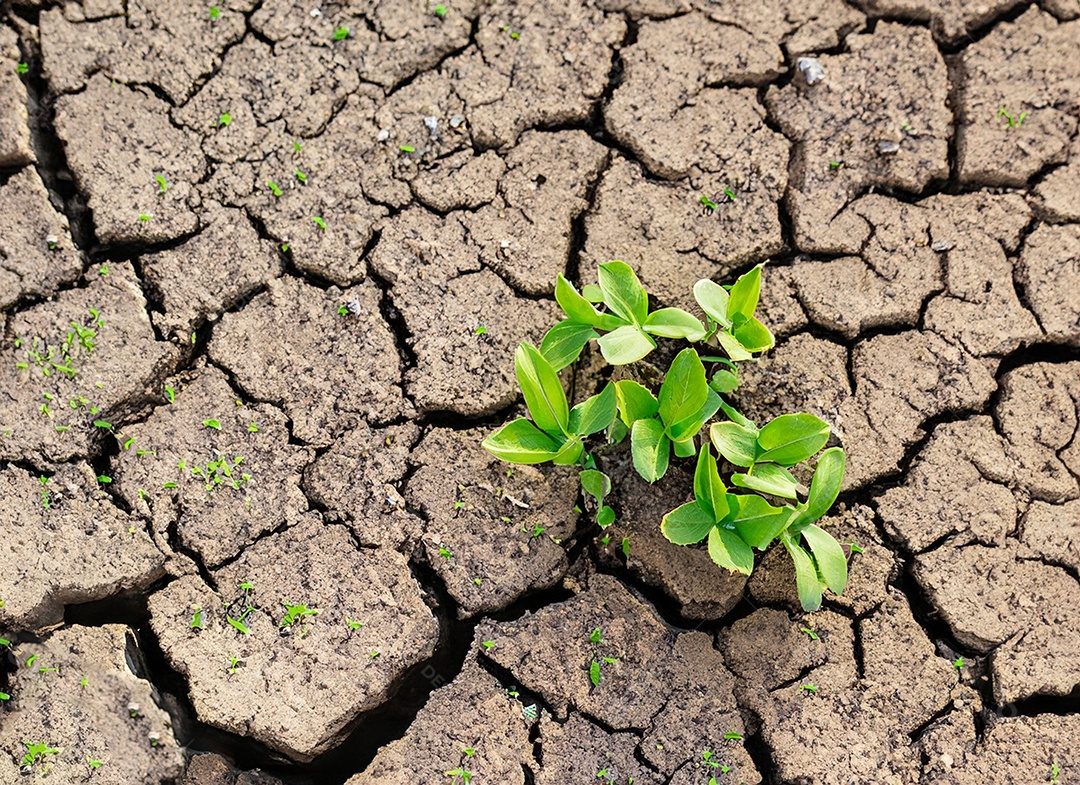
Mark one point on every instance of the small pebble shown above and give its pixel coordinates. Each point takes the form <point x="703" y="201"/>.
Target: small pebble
<point x="504" y="243"/>
<point x="383" y="135"/>
<point x="315" y="13"/>
<point x="888" y="147"/>
<point x="457" y="120"/>
<point x="811" y="69"/>
<point x="941" y="245"/>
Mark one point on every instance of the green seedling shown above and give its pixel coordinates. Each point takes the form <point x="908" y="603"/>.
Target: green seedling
<point x="594" y="673"/>
<point x="295" y="613"/>
<point x="1055" y="773"/>
<point x="810" y="688"/>
<point x="145" y="217"/>
<point x="163" y="186"/>
<point x="733" y="736"/>
<point x="275" y="189"/>
<point x="446" y="553"/>
<point x="22" y="68"/>
<point x="596" y="636"/>
<point x="214" y="424"/>
<point x="766" y="504"/>
<point x="1011" y="120"/>
<point x="319" y="222"/>
<point x="959" y="663"/>
<point x="234" y="663"/>
<point x="407" y="148"/>
<point x="810" y="633"/>
<point x="4" y="696"/>
<point x="296" y="146"/>
<point x="374" y="655"/>
<point x="104" y="479"/>
<point x="44" y="495"/>
<point x="253" y="427"/>
<point x="225" y="120"/>
<point x="37" y="752"/>
<point x="197" y="620"/>
<point x="84" y="681"/>
<point x="481" y="330"/>
<point x="440" y="11"/>
<point x="854" y="547"/>
<point x="103" y="424"/>
<point x="708" y="204"/>
<point x="466" y="776"/>
<point x="341" y="33"/>
<point x="353" y="624"/>
<point x="215" y="12"/>
<point x="301" y="175"/>
<point x="488" y="645"/>
<point x="94" y="764"/>
<point x="170" y="394"/>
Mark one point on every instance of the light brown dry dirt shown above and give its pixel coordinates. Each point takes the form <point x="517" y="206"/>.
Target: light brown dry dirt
<point x="284" y="352"/>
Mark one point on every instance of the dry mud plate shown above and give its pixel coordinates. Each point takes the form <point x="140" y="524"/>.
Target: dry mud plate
<point x="263" y="268"/>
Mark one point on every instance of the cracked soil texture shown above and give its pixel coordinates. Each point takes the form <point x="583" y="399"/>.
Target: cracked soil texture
<point x="263" y="268"/>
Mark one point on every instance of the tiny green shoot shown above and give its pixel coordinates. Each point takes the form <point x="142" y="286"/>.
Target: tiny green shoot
<point x="341" y="33"/>
<point x="215" y="12"/>
<point x="440" y="11"/>
<point x="225" y="119"/>
<point x="212" y="423"/>
<point x="163" y="184"/>
<point x="810" y="633"/>
<point x="319" y="222"/>
<point x="22" y="68"/>
<point x="275" y="189"/>
<point x="407" y="148"/>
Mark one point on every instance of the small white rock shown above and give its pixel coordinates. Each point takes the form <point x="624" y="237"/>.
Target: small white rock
<point x="315" y="13"/>
<point x="811" y="69"/>
<point x="383" y="135"/>
<point x="457" y="120"/>
<point x="504" y="243"/>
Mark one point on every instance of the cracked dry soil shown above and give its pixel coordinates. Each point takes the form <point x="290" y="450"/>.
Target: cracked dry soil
<point x="246" y="253"/>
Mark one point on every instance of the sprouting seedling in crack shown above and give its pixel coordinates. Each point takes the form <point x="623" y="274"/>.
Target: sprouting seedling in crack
<point x="749" y="501"/>
<point x="36" y="752"/>
<point x="295" y="613"/>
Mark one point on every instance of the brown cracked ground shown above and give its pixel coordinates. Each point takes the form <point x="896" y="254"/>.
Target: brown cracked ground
<point x="263" y="266"/>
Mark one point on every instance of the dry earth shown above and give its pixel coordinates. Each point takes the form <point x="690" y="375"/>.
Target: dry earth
<point x="263" y="265"/>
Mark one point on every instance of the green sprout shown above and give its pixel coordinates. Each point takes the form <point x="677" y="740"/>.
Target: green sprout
<point x="760" y="502"/>
<point x="488" y="645"/>
<point x="440" y="11"/>
<point x="319" y="222"/>
<point x="481" y="330"/>
<point x="215" y="12"/>
<point x="275" y="189"/>
<point x="353" y="624"/>
<point x="163" y="185"/>
<point x="234" y="663"/>
<point x="22" y="68"/>
<point x="341" y="33"/>
<point x="811" y="688"/>
<point x="225" y="120"/>
<point x="145" y="217"/>
<point x="407" y="148"/>
<point x="959" y="663"/>
<point x="170" y="394"/>
<point x="1011" y="120"/>
<point x="214" y="424"/>
<point x="301" y="175"/>
<point x="810" y="633"/>
<point x="36" y="752"/>
<point x="295" y="613"/>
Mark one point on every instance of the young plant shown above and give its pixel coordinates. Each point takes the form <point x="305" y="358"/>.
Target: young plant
<point x="295" y="613"/>
<point x="766" y="503"/>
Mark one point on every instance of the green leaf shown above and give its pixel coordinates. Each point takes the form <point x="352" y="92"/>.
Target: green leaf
<point x="687" y="524"/>
<point x="725" y="381"/>
<point x="684" y="391"/>
<point x="623" y="292"/>
<point x="729" y="551"/>
<point x="688" y="428"/>
<point x="580" y="310"/>
<point x="570" y="453"/>
<point x="651" y="449"/>
<point x="744" y="294"/>
<point x="625" y="345"/>
<point x="592" y="293"/>
<point x="685" y="448"/>
<point x="713" y="299"/>
<point x="730" y="344"/>
<point x="831" y="562"/>
<point x="709" y="489"/>
<point x="594" y="414"/>
<point x="596" y="484"/>
<point x="791" y="438"/>
<point x="674" y="323"/>
<point x="563" y="343"/>
<point x="757" y="521"/>
<point x="768" y="478"/>
<point x="542" y="389"/>
<point x="825" y="487"/>
<point x="521" y="441"/>
<point x="594" y="673"/>
<point x="737" y="443"/>
<point x="754" y="336"/>
<point x="635" y="402"/>
<point x="605" y="516"/>
<point x="806" y="577"/>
